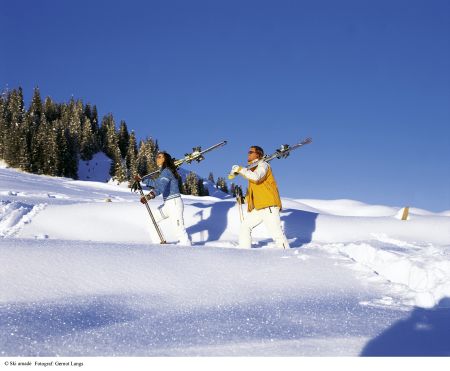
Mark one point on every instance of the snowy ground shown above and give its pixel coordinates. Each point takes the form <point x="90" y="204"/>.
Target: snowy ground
<point x="80" y="277"/>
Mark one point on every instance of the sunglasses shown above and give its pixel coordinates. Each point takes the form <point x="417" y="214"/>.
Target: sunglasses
<point x="250" y="152"/>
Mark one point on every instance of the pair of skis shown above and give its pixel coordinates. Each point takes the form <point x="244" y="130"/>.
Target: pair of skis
<point x="283" y="152"/>
<point x="196" y="155"/>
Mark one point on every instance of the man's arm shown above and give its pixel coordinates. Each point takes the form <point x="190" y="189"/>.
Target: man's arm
<point x="257" y="175"/>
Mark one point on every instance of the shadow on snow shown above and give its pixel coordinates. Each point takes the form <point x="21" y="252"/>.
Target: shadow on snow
<point x="426" y="332"/>
<point x="216" y="224"/>
<point x="300" y="225"/>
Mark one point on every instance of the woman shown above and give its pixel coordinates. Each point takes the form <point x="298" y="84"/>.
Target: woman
<point x="167" y="184"/>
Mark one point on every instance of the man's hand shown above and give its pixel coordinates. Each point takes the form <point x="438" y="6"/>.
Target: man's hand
<point x="236" y="169"/>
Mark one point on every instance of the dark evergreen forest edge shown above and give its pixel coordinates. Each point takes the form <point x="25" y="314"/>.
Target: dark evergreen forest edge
<point x="51" y="138"/>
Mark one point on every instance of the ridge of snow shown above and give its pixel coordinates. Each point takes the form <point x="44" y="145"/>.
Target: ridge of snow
<point x="428" y="278"/>
<point x="14" y="215"/>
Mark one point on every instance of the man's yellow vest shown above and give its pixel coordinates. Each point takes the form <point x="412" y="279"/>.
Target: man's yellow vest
<point x="264" y="193"/>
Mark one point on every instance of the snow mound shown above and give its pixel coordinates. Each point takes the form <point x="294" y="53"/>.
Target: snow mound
<point x="349" y="208"/>
<point x="424" y="270"/>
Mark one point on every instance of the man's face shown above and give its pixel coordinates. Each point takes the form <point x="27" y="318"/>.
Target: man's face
<point x="252" y="155"/>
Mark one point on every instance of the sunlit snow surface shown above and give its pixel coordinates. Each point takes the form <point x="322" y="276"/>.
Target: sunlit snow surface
<point x="80" y="276"/>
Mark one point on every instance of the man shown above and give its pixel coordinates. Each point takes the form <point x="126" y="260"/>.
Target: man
<point x="263" y="200"/>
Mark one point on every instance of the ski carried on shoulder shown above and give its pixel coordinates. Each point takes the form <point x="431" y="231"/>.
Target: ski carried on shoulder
<point x="196" y="155"/>
<point x="283" y="152"/>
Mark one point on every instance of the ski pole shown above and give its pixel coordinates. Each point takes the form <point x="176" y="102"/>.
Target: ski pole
<point x="137" y="184"/>
<point x="239" y="202"/>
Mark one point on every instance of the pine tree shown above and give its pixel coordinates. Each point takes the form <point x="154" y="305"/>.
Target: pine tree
<point x="117" y="171"/>
<point x="124" y="138"/>
<point x="146" y="158"/>
<point x="88" y="112"/>
<point x="222" y="184"/>
<point x="53" y="160"/>
<point x="15" y="140"/>
<point x="62" y="147"/>
<point x="70" y="131"/>
<point x="131" y="157"/>
<point x="75" y="115"/>
<point x="211" y="178"/>
<point x="51" y="111"/>
<point x="88" y="143"/>
<point x="111" y="148"/>
<point x="95" y="128"/>
<point x="36" y="109"/>
<point x="31" y="130"/>
<point x="142" y="162"/>
<point x="191" y="184"/>
<point x="109" y="136"/>
<point x="72" y="151"/>
<point x="39" y="150"/>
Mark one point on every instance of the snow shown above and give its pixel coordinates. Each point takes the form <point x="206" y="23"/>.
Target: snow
<point x="81" y="277"/>
<point x="96" y="169"/>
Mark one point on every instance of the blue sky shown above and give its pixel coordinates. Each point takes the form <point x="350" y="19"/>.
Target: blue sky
<point x="368" y="80"/>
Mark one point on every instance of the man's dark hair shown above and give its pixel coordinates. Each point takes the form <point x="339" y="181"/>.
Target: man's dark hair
<point x="259" y="151"/>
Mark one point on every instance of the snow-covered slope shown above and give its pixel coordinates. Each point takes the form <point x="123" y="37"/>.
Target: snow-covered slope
<point x="80" y="275"/>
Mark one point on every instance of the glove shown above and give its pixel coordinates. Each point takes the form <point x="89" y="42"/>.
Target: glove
<point x="150" y="196"/>
<point x="236" y="169"/>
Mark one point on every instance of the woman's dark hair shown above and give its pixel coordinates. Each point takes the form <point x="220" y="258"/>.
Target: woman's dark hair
<point x="259" y="151"/>
<point x="169" y="163"/>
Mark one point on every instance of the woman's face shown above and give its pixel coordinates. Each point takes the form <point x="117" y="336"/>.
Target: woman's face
<point x="160" y="159"/>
